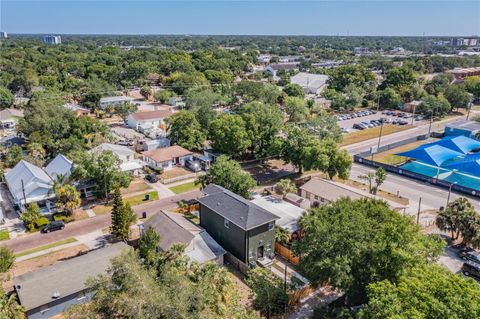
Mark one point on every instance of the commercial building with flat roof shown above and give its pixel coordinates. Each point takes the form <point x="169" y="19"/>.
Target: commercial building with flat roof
<point x="52" y="39"/>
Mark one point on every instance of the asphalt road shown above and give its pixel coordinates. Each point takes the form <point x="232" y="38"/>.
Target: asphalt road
<point x="89" y="225"/>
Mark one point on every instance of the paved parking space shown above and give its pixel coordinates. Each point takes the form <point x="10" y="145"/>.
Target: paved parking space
<point x="348" y="124"/>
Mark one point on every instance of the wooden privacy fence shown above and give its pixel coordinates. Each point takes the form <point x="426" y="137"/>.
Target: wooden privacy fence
<point x="287" y="254"/>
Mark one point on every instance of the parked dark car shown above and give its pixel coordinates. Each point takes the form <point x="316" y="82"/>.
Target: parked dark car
<point x="152" y="178"/>
<point x="358" y="126"/>
<point x="471" y="269"/>
<point x="193" y="165"/>
<point x="470" y="255"/>
<point x="53" y="226"/>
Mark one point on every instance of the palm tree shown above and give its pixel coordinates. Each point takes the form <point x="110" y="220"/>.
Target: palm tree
<point x="282" y="236"/>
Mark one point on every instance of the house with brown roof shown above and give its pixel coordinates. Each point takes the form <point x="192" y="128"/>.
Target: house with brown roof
<point x="166" y="158"/>
<point x="149" y="120"/>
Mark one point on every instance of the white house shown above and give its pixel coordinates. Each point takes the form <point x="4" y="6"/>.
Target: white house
<point x="168" y="157"/>
<point x="311" y="83"/>
<point x="126" y="156"/>
<point x="275" y="67"/>
<point x="29" y="183"/>
<point x="114" y="101"/>
<point x="142" y="121"/>
<point x="9" y="118"/>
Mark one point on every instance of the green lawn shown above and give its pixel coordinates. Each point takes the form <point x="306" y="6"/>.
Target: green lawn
<point x="182" y="188"/>
<point x="133" y="201"/>
<point x="4" y="234"/>
<point x="45" y="247"/>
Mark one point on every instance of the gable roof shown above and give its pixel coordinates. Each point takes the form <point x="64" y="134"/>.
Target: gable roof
<point x="36" y="182"/>
<point x="235" y="208"/>
<point x="167" y="153"/>
<point x="68" y="277"/>
<point x="117" y="149"/>
<point x="434" y="155"/>
<point x="7" y="114"/>
<point x="151" y="115"/>
<point x="170" y="232"/>
<point x="59" y="166"/>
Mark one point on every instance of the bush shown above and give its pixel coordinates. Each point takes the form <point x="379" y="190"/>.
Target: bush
<point x="65" y="217"/>
<point x="4" y="234"/>
<point x="42" y="221"/>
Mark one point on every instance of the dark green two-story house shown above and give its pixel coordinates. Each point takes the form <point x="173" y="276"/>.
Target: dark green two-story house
<point x="244" y="229"/>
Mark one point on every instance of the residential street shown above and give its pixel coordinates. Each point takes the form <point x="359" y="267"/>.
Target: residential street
<point x="91" y="224"/>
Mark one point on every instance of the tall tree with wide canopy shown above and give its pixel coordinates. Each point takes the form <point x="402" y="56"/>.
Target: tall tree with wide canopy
<point x="229" y="135"/>
<point x="353" y="243"/>
<point x="228" y="173"/>
<point x="184" y="130"/>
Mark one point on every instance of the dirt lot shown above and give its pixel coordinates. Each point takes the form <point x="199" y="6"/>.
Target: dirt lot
<point x="175" y="172"/>
<point x="29" y="265"/>
<point x="244" y="292"/>
<point x="269" y="172"/>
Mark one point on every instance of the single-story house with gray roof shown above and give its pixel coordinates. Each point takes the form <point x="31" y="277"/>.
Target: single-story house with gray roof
<point x="174" y="228"/>
<point x="48" y="291"/>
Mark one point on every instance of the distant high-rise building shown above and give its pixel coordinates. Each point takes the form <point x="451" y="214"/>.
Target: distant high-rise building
<point x="3" y="35"/>
<point x="469" y="42"/>
<point x="52" y="39"/>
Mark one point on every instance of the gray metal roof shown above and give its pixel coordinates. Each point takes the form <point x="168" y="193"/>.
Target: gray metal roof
<point x="235" y="208"/>
<point x="170" y="232"/>
<point x="65" y="278"/>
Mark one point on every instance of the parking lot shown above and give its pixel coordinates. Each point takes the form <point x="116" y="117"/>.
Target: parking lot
<point x="348" y="123"/>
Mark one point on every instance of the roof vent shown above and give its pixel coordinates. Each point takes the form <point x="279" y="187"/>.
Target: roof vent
<point x="56" y="295"/>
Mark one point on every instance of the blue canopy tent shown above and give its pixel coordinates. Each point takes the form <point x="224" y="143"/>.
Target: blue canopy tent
<point x="434" y="155"/>
<point x="469" y="164"/>
<point x="459" y="143"/>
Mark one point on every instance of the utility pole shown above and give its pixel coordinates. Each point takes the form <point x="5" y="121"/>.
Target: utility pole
<point x="449" y="192"/>
<point x="380" y="136"/>
<point x="418" y="213"/>
<point x="469" y="109"/>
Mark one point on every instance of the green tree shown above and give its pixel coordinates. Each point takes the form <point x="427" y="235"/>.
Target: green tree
<point x="285" y="186"/>
<point x="294" y="90"/>
<point x="263" y="122"/>
<point x="472" y="85"/>
<point x="339" y="161"/>
<point x="10" y="307"/>
<point x="124" y="110"/>
<point x="163" y="96"/>
<point x="30" y="216"/>
<point x="198" y="97"/>
<point x="14" y="155"/>
<point x="351" y="244"/>
<point x="400" y="79"/>
<point x="148" y="244"/>
<point x="439" y="83"/>
<point x="355" y="74"/>
<point x="460" y="218"/>
<point x="228" y="135"/>
<point x="122" y="217"/>
<point x="184" y="130"/>
<point x="179" y="82"/>
<point x="7" y="258"/>
<point x="427" y="292"/>
<point x="205" y="116"/>
<point x="250" y="91"/>
<point x="6" y="98"/>
<point x="282" y="236"/>
<point x="374" y="179"/>
<point x="228" y="173"/>
<point x="434" y="106"/>
<point x="296" y="109"/>
<point x="103" y="169"/>
<point x="457" y="96"/>
<point x="67" y="198"/>
<point x="270" y="297"/>
<point x="146" y="92"/>
<point x="389" y="99"/>
<point x="324" y="126"/>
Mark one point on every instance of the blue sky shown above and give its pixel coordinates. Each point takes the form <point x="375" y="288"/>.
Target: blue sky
<point x="381" y="17"/>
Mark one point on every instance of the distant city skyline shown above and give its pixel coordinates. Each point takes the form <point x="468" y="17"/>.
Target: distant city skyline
<point x="354" y="18"/>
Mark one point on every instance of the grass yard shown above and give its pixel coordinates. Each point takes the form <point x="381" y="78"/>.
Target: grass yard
<point x="133" y="201"/>
<point x="368" y="134"/>
<point x="4" y="235"/>
<point x="45" y="247"/>
<point x="182" y="188"/>
<point x="136" y="186"/>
